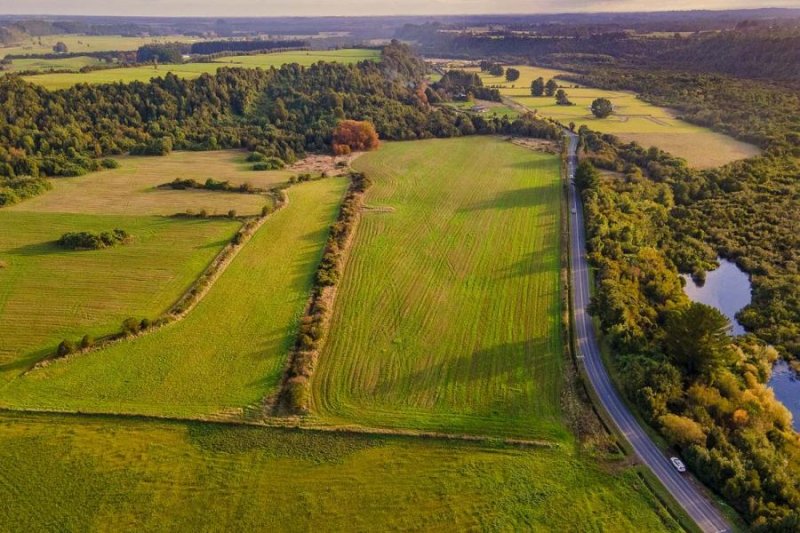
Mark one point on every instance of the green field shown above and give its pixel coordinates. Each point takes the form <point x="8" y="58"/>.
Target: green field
<point x="69" y="63"/>
<point x="48" y="294"/>
<point x="87" y="43"/>
<point x="228" y="353"/>
<point x="80" y="474"/>
<point x="632" y="120"/>
<point x="194" y="70"/>
<point x="447" y="316"/>
<point x="131" y="189"/>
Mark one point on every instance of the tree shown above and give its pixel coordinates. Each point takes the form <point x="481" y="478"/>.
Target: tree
<point x="602" y="107"/>
<point x="496" y="69"/>
<point x="60" y="48"/>
<point x="562" y="98"/>
<point x="512" y="74"/>
<point x="697" y="340"/>
<point x="586" y="176"/>
<point x="681" y="431"/>
<point x="550" y="88"/>
<point x="352" y="135"/>
<point x="537" y="87"/>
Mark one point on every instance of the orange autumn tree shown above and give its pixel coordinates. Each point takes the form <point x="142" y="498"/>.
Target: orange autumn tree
<point x="353" y="135"/>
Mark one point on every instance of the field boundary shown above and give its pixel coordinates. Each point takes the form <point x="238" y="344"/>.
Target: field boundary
<point x="293" y="424"/>
<point x="293" y="396"/>
<point x="189" y="300"/>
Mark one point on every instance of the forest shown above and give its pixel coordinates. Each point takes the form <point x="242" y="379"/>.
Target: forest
<point x="703" y="390"/>
<point x="282" y="113"/>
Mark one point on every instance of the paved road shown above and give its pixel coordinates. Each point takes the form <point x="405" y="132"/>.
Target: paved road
<point x="682" y="487"/>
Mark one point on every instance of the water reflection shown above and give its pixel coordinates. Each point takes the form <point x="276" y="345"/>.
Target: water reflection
<point x="786" y="384"/>
<point x="726" y="288"/>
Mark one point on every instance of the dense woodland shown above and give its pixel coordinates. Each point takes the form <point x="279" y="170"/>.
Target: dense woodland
<point x="755" y="51"/>
<point x="282" y="113"/>
<point x="703" y="390"/>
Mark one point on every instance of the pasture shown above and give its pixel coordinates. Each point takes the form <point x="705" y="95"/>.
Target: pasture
<point x="229" y="352"/>
<point x="87" y="43"/>
<point x="48" y="293"/>
<point x="67" y="63"/>
<point x="77" y="474"/>
<point x="194" y="70"/>
<point x="447" y="315"/>
<point x="632" y="120"/>
<point x="132" y="188"/>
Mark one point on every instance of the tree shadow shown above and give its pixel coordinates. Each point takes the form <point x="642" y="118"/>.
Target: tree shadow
<point x="532" y="263"/>
<point x="513" y="199"/>
<point x="34" y="249"/>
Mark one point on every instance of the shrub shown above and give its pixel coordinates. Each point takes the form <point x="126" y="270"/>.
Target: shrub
<point x="255" y="157"/>
<point x="87" y="342"/>
<point x="131" y="326"/>
<point x="65" y="348"/>
<point x="602" y="107"/>
<point x="232" y="213"/>
<point x="109" y="163"/>
<point x="85" y="240"/>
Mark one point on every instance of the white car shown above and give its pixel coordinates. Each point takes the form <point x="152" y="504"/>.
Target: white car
<point x="678" y="464"/>
<point x="574" y="211"/>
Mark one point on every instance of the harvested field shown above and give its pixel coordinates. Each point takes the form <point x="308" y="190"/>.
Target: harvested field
<point x="447" y="316"/>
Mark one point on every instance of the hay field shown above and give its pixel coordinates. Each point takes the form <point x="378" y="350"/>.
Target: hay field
<point x="131" y="188"/>
<point x="228" y="353"/>
<point x="48" y="293"/>
<point x="447" y="316"/>
<point x="87" y="43"/>
<point x="194" y="70"/>
<point x="79" y="474"/>
<point x="632" y="120"/>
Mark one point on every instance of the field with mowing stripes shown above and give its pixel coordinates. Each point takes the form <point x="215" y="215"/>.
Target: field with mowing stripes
<point x="229" y="352"/>
<point x="447" y="316"/>
<point x="632" y="120"/>
<point x="194" y="70"/>
<point x="48" y="293"/>
<point x="78" y="474"/>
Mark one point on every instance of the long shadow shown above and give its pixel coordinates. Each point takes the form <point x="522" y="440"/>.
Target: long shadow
<point x="39" y="248"/>
<point x="533" y="263"/>
<point x="509" y="360"/>
<point x="517" y="198"/>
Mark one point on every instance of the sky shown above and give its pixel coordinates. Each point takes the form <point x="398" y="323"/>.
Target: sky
<point x="275" y="8"/>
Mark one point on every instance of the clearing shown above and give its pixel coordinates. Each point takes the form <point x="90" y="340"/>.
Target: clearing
<point x="71" y="473"/>
<point x="132" y="188"/>
<point x="48" y="293"/>
<point x="55" y="81"/>
<point x="229" y="352"/>
<point x="447" y="315"/>
<point x="632" y="120"/>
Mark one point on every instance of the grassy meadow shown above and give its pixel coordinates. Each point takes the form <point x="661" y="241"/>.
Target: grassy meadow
<point x="132" y="189"/>
<point x="447" y="316"/>
<point x="48" y="293"/>
<point x="55" y="81"/>
<point x="632" y="120"/>
<point x="87" y="43"/>
<point x="79" y="474"/>
<point x="228" y="353"/>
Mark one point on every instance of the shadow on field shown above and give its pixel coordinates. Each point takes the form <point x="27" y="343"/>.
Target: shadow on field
<point x="41" y="248"/>
<point x="507" y="370"/>
<point x="533" y="263"/>
<point x="517" y="198"/>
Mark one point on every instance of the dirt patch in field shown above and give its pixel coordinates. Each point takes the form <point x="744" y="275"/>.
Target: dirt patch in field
<point x="540" y="145"/>
<point x="327" y="164"/>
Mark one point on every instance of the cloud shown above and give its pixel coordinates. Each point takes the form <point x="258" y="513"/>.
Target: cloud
<point x="239" y="8"/>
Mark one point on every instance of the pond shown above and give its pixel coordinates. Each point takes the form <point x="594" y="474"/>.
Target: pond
<point x="727" y="288"/>
<point x="786" y="384"/>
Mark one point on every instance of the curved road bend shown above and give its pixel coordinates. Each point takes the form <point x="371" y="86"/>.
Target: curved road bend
<point x="682" y="488"/>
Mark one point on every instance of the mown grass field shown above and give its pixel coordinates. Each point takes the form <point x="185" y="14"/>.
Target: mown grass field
<point x="48" y="294"/>
<point x="70" y="63"/>
<point x="77" y="474"/>
<point x="194" y="70"/>
<point x="132" y="188"/>
<point x="228" y="353"/>
<point x="447" y="316"/>
<point x="632" y="120"/>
